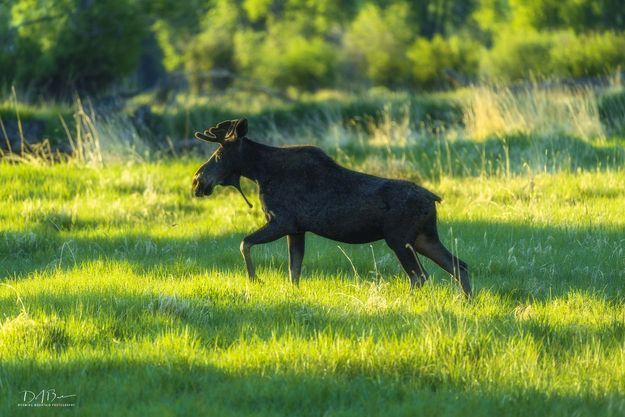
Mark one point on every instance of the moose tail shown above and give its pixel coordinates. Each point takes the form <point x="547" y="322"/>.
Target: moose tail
<point x="434" y="197"/>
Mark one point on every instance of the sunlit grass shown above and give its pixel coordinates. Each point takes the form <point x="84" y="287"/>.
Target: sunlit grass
<point x="539" y="111"/>
<point x="119" y="287"/>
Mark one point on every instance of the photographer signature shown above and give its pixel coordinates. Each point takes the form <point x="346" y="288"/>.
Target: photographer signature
<point x="46" y="397"/>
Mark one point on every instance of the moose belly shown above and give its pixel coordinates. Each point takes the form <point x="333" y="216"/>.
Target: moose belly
<point x="354" y="236"/>
<point x="348" y="229"/>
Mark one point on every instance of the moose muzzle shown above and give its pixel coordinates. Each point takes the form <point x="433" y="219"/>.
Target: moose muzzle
<point x="201" y="190"/>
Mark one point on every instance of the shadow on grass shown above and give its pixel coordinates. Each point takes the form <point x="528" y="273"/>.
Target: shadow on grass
<point x="224" y="317"/>
<point x="182" y="388"/>
<point x="515" y="260"/>
<point x="544" y="262"/>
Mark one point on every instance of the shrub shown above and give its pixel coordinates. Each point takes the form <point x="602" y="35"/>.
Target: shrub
<point x="283" y="58"/>
<point x="594" y="54"/>
<point x="305" y="63"/>
<point x="443" y="62"/>
<point x="554" y="54"/>
<point x="517" y="56"/>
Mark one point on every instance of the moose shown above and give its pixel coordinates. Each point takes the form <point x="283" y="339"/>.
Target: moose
<point x="303" y="190"/>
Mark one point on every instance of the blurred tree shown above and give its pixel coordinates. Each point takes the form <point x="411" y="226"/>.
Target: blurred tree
<point x="311" y="17"/>
<point x="442" y="17"/>
<point x="7" y="46"/>
<point x="283" y="58"/>
<point x="377" y="40"/>
<point x="184" y="15"/>
<point x="491" y="16"/>
<point x="84" y="44"/>
<point x="579" y="15"/>
<point x="58" y="45"/>
<point x="208" y="60"/>
<point x="175" y="23"/>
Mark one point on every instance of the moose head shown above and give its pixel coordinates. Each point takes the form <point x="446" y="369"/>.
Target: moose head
<point x="224" y="166"/>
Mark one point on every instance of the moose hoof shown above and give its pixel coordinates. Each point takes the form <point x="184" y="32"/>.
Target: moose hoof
<point x="418" y="282"/>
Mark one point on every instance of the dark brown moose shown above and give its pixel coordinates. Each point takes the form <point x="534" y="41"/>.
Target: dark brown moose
<point x="303" y="190"/>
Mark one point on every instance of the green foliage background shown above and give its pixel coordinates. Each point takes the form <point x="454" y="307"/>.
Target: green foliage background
<point x="58" y="46"/>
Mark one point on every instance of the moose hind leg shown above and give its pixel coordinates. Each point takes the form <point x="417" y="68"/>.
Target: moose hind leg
<point x="436" y="251"/>
<point x="267" y="233"/>
<point x="296" y="256"/>
<point x="410" y="263"/>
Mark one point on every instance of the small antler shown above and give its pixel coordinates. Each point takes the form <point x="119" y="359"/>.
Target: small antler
<point x="228" y="130"/>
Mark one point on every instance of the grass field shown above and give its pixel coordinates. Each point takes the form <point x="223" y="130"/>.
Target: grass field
<point x="117" y="287"/>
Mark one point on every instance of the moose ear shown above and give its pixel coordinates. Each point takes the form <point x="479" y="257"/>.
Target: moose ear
<point x="241" y="128"/>
<point x="237" y="130"/>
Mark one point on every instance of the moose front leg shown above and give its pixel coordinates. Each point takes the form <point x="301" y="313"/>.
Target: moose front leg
<point x="296" y="255"/>
<point x="267" y="233"/>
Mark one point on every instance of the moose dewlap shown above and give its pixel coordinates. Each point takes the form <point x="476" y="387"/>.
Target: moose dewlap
<point x="303" y="190"/>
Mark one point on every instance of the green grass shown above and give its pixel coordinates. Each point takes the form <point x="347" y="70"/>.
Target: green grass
<point x="121" y="289"/>
<point x="117" y="286"/>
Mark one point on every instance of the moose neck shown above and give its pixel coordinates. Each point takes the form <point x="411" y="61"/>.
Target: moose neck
<point x="258" y="161"/>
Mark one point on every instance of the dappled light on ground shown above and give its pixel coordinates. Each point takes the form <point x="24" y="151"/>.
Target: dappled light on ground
<point x="117" y="286"/>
